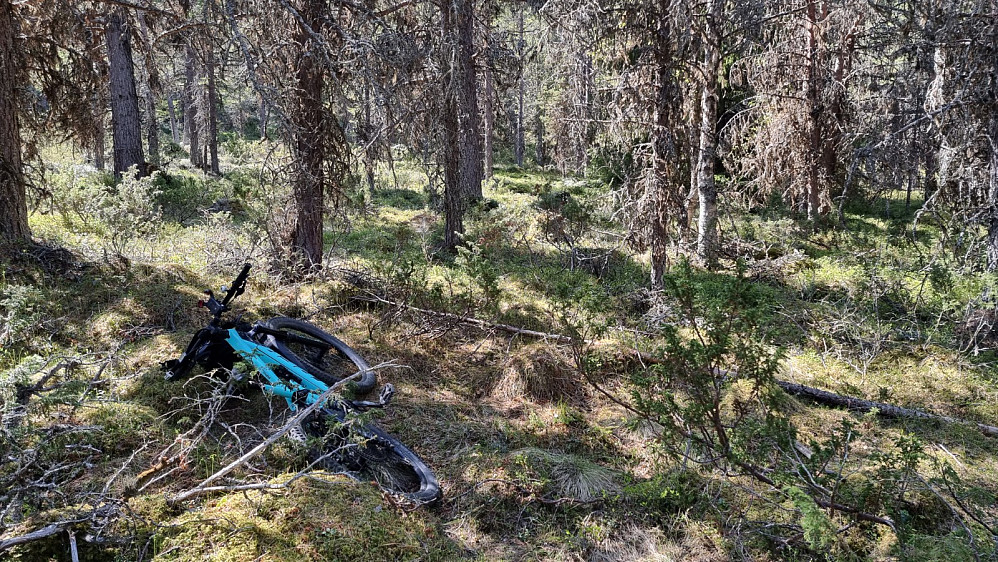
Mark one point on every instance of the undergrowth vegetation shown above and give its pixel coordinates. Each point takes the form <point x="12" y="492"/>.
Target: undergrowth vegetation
<point x="552" y="436"/>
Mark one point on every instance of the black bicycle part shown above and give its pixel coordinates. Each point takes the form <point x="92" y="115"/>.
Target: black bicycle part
<point x="238" y="285"/>
<point x="207" y="348"/>
<point x="368" y="450"/>
<point x="310" y="348"/>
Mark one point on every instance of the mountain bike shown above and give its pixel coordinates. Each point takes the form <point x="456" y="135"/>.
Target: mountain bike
<point x="300" y="362"/>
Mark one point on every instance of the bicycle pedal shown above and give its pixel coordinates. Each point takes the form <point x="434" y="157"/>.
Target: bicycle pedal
<point x="297" y="434"/>
<point x="386" y="394"/>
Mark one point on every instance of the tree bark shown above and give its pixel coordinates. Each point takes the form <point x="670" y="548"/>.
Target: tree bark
<point x="992" y="246"/>
<point x="706" y="187"/>
<point x="264" y="118"/>
<point x="212" y="106"/>
<point x="489" y="117"/>
<point x="126" y="126"/>
<point x="309" y="126"/>
<point x="518" y="137"/>
<point x="150" y="78"/>
<point x="454" y="199"/>
<point x="469" y="127"/>
<point x="818" y="137"/>
<point x="174" y="132"/>
<point x="540" y="150"/>
<point x="662" y="182"/>
<point x="191" y="114"/>
<point x="13" y="205"/>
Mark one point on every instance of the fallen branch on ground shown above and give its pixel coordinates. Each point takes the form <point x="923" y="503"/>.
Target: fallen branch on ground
<point x="203" y="487"/>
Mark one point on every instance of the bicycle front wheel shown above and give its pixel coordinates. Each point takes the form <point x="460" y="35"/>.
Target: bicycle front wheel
<point x="395" y="468"/>
<point x="321" y="354"/>
<point x="371" y="452"/>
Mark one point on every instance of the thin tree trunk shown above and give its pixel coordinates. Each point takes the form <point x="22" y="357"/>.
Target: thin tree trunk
<point x="812" y="203"/>
<point x="150" y="77"/>
<point x="366" y="128"/>
<point x="174" y="132"/>
<point x="993" y="187"/>
<point x="212" y="104"/>
<point x="518" y="140"/>
<point x="489" y="117"/>
<point x="191" y="114"/>
<point x="540" y="150"/>
<point x="125" y="122"/>
<point x="264" y="117"/>
<point x="454" y="197"/>
<point x="469" y="127"/>
<point x="100" y="136"/>
<point x="664" y="154"/>
<point x="13" y="205"/>
<point x="706" y="187"/>
<point x="309" y="128"/>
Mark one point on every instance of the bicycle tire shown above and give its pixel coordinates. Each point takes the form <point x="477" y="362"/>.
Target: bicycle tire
<point x="372" y="452"/>
<point x="317" y="361"/>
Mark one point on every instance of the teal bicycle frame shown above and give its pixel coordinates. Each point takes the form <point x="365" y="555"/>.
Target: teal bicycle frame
<point x="265" y="360"/>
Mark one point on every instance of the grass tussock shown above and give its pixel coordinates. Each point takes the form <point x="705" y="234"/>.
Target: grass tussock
<point x="540" y="373"/>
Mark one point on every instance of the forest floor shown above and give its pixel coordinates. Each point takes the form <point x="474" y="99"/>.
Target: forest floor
<point x="536" y="463"/>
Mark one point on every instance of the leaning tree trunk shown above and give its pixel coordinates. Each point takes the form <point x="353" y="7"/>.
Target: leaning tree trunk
<point x="706" y="187"/>
<point x="13" y="207"/>
<point x="126" y="126"/>
<point x="469" y="128"/>
<point x="308" y="118"/>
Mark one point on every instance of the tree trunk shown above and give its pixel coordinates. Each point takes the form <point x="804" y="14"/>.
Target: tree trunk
<point x="540" y="150"/>
<point x="364" y="136"/>
<point x="13" y="206"/>
<point x="518" y="137"/>
<point x="664" y="154"/>
<point x="469" y="127"/>
<point x="191" y="121"/>
<point x="993" y="187"/>
<point x="706" y="188"/>
<point x="818" y="148"/>
<point x="212" y="103"/>
<point x="174" y="133"/>
<point x="454" y="197"/>
<point x="663" y="181"/>
<point x="489" y="117"/>
<point x="150" y="78"/>
<point x="309" y="127"/>
<point x="264" y="117"/>
<point x="126" y="125"/>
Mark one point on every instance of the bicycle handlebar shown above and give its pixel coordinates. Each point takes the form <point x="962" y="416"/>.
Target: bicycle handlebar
<point x="237" y="288"/>
<point x="238" y="285"/>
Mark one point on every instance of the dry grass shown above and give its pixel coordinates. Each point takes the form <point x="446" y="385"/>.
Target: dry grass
<point x="540" y="372"/>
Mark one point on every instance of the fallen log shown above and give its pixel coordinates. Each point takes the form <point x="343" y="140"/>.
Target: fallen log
<point x="882" y="408"/>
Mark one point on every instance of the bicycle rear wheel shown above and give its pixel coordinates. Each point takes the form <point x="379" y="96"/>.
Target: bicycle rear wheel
<point x="370" y="451"/>
<point x="309" y="347"/>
